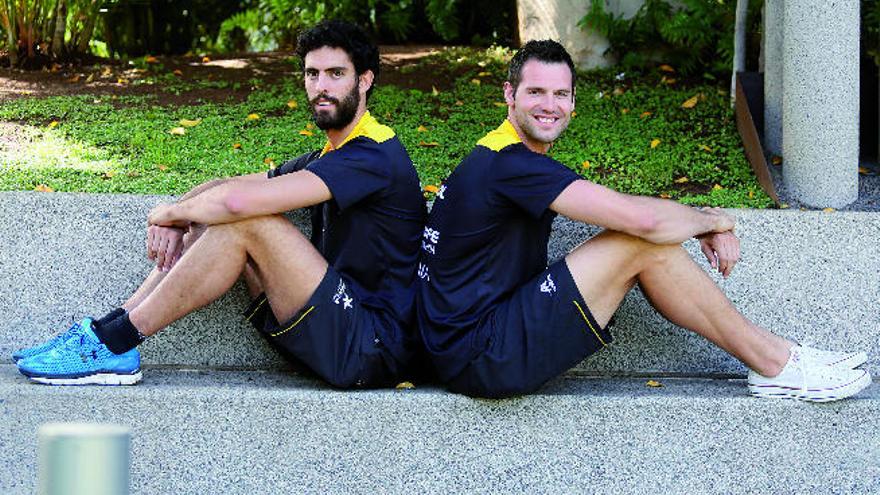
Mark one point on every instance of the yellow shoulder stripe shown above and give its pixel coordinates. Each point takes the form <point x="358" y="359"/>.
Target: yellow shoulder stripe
<point x="367" y="127"/>
<point x="500" y="138"/>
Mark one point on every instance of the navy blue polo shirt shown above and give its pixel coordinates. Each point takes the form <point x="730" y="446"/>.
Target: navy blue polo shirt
<point x="486" y="236"/>
<point x="370" y="230"/>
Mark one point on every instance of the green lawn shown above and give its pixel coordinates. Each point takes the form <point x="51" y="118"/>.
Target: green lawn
<point x="101" y="144"/>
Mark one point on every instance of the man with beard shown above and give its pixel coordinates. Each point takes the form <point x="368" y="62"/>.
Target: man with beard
<point x="498" y="321"/>
<point x="341" y="304"/>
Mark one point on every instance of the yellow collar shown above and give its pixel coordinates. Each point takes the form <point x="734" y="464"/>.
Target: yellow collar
<point x="366" y="120"/>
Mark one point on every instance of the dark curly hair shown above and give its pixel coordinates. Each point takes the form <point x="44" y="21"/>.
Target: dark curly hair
<point x="353" y="40"/>
<point x="547" y="51"/>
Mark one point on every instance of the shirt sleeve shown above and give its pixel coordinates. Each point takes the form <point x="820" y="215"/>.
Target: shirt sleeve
<point x="295" y="165"/>
<point x="530" y="181"/>
<point x="352" y="173"/>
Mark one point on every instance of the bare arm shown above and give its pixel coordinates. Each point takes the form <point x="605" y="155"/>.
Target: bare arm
<point x="240" y="199"/>
<point x="199" y="189"/>
<point x="655" y="220"/>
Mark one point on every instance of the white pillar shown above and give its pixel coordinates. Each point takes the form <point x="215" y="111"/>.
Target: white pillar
<point x="773" y="19"/>
<point x="84" y="459"/>
<point x="820" y="103"/>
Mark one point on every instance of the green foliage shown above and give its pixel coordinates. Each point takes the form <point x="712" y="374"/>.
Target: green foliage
<point x="696" y="36"/>
<point x="124" y="145"/>
<point x="871" y="28"/>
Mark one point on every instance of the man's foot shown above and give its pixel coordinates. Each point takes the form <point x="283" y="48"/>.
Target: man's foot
<point x="73" y="332"/>
<point x="805" y="379"/>
<point x="848" y="360"/>
<point x="83" y="361"/>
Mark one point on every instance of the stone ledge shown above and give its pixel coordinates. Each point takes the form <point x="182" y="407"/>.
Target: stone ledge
<point x="235" y="432"/>
<point x="812" y="276"/>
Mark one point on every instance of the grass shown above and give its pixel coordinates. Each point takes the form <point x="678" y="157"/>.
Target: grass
<point x="102" y="144"/>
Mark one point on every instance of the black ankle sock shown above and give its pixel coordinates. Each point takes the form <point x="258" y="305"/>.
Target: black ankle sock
<point x="110" y="316"/>
<point x="119" y="335"/>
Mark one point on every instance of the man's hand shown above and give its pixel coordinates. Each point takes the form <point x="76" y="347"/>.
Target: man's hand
<point x="721" y="249"/>
<point x="164" y="245"/>
<point x="163" y="215"/>
<point x="723" y="221"/>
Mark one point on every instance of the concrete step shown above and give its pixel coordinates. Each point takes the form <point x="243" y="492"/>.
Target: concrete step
<point x="273" y="432"/>
<point x="812" y="276"/>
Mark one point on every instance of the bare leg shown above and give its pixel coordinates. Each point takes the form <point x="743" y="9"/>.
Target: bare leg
<point x="606" y="267"/>
<point x="149" y="284"/>
<point x="215" y="261"/>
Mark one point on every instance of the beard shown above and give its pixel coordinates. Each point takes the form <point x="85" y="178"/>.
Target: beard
<point x="345" y="110"/>
<point x="528" y="126"/>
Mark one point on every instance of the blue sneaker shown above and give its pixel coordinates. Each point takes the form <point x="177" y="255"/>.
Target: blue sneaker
<point x="73" y="332"/>
<point x="83" y="361"/>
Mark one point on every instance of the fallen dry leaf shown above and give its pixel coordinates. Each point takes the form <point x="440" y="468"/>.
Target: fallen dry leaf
<point x="305" y="132"/>
<point x="653" y="383"/>
<point x="705" y="148"/>
<point x="310" y="126"/>
<point x="586" y="164"/>
<point x="665" y="196"/>
<point x="177" y="131"/>
<point x="776" y="160"/>
<point x="74" y="79"/>
<point x="190" y="123"/>
<point x="828" y="210"/>
<point x="574" y="114"/>
<point x="484" y="74"/>
<point x="717" y="187"/>
<point x="655" y="143"/>
<point x="624" y="111"/>
<point x="430" y="144"/>
<point x="691" y="102"/>
<point x="405" y="386"/>
<point x="784" y="206"/>
<point x="459" y="103"/>
<point x="644" y="114"/>
<point x="476" y="82"/>
<point x="751" y="194"/>
<point x="177" y="72"/>
<point x="434" y="91"/>
<point x="269" y="161"/>
<point x="864" y="170"/>
<point x="253" y="116"/>
<point x="618" y="91"/>
<point x="421" y="128"/>
<point x="162" y="167"/>
<point x="236" y="146"/>
<point x="432" y="189"/>
<point x="291" y="104"/>
<point x="108" y="174"/>
<point x="666" y="68"/>
<point x="43" y="188"/>
<point x="682" y="180"/>
<point x="53" y="124"/>
<point x="151" y="59"/>
<point x="670" y="81"/>
<point x="500" y="104"/>
<point x="205" y="60"/>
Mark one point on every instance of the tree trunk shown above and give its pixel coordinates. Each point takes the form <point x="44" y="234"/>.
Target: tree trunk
<point x="739" y="45"/>
<point x="7" y="19"/>
<point x="91" y="13"/>
<point x="60" y="27"/>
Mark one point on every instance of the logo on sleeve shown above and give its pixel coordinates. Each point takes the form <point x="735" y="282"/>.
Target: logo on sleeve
<point x="342" y="296"/>
<point x="548" y="286"/>
<point x="441" y="191"/>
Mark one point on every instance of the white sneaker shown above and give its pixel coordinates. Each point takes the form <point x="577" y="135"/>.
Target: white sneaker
<point x="836" y="359"/>
<point x="807" y="380"/>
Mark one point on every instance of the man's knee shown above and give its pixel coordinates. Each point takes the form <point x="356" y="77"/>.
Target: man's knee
<point x="639" y="248"/>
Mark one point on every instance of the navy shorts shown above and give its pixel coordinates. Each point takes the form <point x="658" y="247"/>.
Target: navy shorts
<point x="540" y="331"/>
<point x="333" y="335"/>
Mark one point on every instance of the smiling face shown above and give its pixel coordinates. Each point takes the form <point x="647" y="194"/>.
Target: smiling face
<point x="336" y="93"/>
<point x="540" y="107"/>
